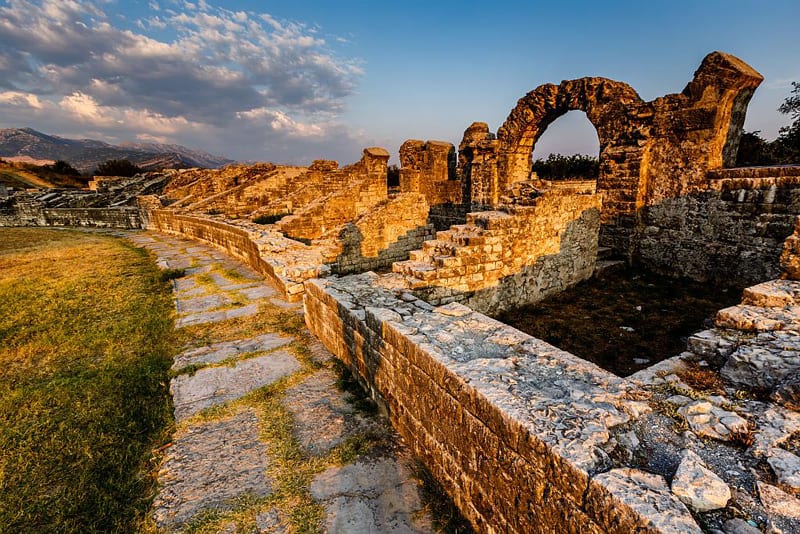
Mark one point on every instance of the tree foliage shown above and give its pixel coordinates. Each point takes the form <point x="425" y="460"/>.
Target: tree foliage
<point x="559" y="167"/>
<point x="755" y="150"/>
<point x="117" y="167"/>
<point x="63" y="167"/>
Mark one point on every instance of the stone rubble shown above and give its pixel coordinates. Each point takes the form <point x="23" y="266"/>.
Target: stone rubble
<point x="697" y="486"/>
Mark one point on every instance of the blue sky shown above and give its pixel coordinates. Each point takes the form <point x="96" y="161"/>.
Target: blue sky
<point x="291" y="81"/>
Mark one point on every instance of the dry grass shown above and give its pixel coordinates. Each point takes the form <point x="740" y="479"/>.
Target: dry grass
<point x="85" y="346"/>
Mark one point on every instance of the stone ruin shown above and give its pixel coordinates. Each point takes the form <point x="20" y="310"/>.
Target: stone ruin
<point x="524" y="436"/>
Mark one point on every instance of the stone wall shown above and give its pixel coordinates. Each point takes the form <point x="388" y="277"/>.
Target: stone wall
<point x="382" y="236"/>
<point x="365" y="188"/>
<point x="33" y="213"/>
<point x="285" y="262"/>
<point x="511" y="426"/>
<point x="649" y="151"/>
<point x="730" y="234"/>
<point x="500" y="260"/>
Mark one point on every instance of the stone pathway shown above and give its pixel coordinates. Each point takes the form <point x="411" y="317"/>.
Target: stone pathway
<point x="264" y="440"/>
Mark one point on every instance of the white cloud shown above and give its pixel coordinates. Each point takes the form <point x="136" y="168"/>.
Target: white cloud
<point x="221" y="73"/>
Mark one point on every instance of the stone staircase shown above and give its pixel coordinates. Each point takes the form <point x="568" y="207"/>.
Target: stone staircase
<point x="454" y="251"/>
<point x="607" y="262"/>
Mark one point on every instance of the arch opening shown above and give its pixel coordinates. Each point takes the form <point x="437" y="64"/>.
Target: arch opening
<point x="567" y="149"/>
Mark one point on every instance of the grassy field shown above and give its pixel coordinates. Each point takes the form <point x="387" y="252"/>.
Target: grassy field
<point x="85" y="346"/>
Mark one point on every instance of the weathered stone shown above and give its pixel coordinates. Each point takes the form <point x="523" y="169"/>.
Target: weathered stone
<point x="270" y="523"/>
<point x="208" y="466"/>
<point x="648" y="495"/>
<point x="322" y="416"/>
<point x="783" y="510"/>
<point x="370" y="496"/>
<point x="229" y="349"/>
<point x="216" y="385"/>
<point x="774" y="293"/>
<point x="697" y="486"/>
<point x="707" y="420"/>
<point x="762" y="366"/>
<point x="786" y="467"/>
<point x="775" y="426"/>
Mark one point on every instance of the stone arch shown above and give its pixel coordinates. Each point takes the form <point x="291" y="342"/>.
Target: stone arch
<point x="605" y="102"/>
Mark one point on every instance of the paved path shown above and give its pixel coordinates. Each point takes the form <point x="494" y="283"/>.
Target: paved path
<point x="265" y="441"/>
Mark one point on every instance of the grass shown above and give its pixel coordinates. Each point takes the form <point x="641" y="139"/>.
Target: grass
<point x="85" y="347"/>
<point x="625" y="321"/>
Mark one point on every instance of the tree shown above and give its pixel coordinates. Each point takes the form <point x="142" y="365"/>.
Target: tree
<point x="558" y="166"/>
<point x="117" y="167"/>
<point x="788" y="141"/>
<point x="62" y="167"/>
<point x="755" y="151"/>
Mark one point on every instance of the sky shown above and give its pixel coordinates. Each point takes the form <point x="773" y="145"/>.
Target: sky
<point x="291" y="81"/>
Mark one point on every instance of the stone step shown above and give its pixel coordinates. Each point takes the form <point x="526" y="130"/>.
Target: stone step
<point x="604" y="253"/>
<point x="436" y="247"/>
<point x="604" y="267"/>
<point x="774" y="293"/>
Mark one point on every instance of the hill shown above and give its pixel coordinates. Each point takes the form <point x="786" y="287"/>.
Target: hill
<point x="21" y="175"/>
<point x="86" y="154"/>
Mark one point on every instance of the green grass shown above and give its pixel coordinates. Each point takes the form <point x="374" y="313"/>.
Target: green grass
<point x="85" y="347"/>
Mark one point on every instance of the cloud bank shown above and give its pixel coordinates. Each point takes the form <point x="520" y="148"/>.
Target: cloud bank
<point x="238" y="83"/>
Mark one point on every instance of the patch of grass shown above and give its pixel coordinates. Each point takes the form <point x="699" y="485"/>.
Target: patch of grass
<point x="625" y="321"/>
<point x="171" y="274"/>
<point x="85" y="347"/>
<point x="232" y="274"/>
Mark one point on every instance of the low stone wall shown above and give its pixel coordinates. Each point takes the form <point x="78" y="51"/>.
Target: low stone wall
<point x="286" y="263"/>
<point x="511" y="426"/>
<point x="382" y="236"/>
<point x="504" y="259"/>
<point x="731" y="234"/>
<point x="35" y="215"/>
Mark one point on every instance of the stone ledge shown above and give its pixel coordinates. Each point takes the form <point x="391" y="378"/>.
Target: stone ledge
<point x="512" y="426"/>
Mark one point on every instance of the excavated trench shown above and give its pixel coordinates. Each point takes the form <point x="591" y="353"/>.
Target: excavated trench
<point x="624" y="321"/>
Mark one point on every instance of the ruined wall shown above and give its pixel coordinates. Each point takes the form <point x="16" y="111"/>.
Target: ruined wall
<point x="510" y="425"/>
<point x="504" y="259"/>
<point x="649" y="151"/>
<point x="382" y="236"/>
<point x="365" y="188"/>
<point x="284" y="262"/>
<point x="429" y="168"/>
<point x="731" y="234"/>
<point x="31" y="212"/>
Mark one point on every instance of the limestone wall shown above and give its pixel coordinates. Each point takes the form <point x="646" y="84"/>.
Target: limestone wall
<point x="382" y="236"/>
<point x="365" y="188"/>
<point x="731" y="234"/>
<point x="285" y="262"/>
<point x="32" y="213"/>
<point x="504" y="259"/>
<point x="510" y="425"/>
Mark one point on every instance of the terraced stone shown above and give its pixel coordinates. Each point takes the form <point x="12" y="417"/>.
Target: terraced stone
<point x="208" y="466"/>
<point x="230" y="349"/>
<point x="216" y="385"/>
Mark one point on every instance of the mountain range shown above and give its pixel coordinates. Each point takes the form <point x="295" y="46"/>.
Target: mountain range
<point x="86" y="154"/>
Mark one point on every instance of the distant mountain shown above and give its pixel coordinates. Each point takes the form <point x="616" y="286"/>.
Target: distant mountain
<point x="87" y="154"/>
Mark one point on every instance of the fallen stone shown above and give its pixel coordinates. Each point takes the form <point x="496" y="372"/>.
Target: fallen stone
<point x="697" y="486"/>
<point x="649" y="496"/>
<point x="739" y="526"/>
<point x="758" y="319"/>
<point x="707" y="420"/>
<point x="783" y="510"/>
<point x="216" y="385"/>
<point x="773" y="293"/>
<point x="229" y="349"/>
<point x="370" y="496"/>
<point x="208" y="466"/>
<point x="786" y="467"/>
<point x="775" y="425"/>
